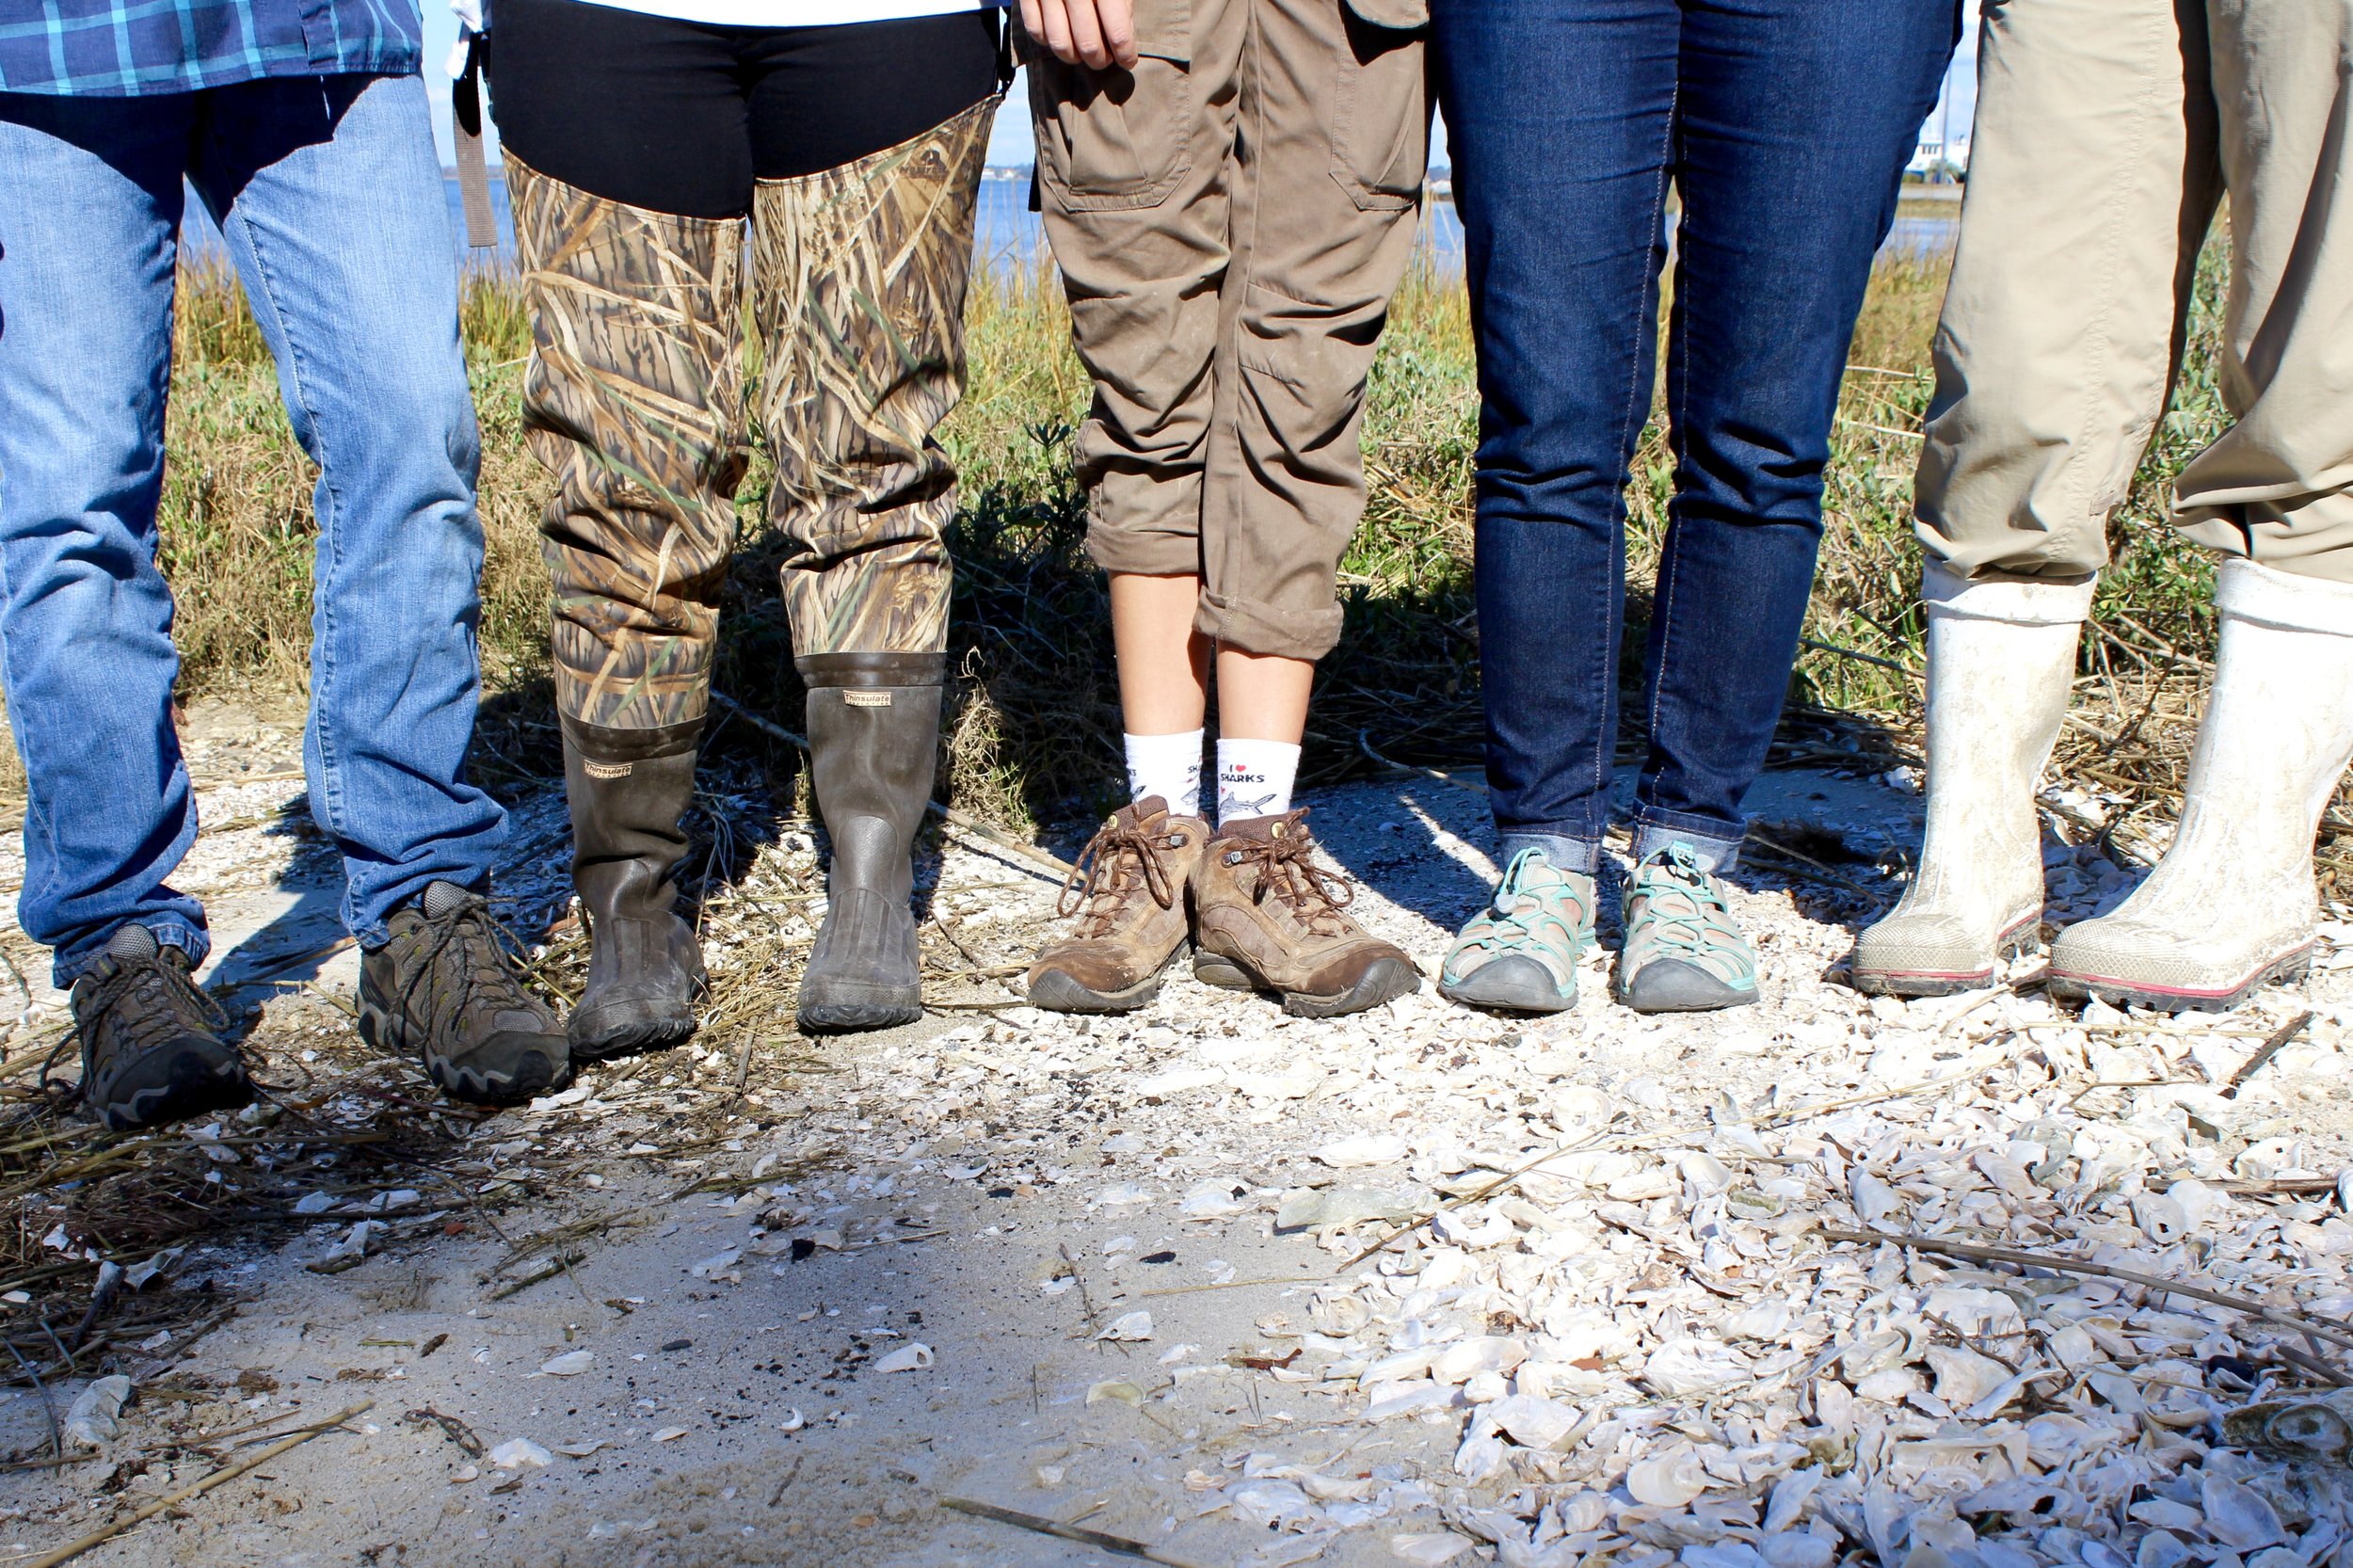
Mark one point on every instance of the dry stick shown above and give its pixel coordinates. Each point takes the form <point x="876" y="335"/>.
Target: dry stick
<point x="2265" y="1052"/>
<point x="2319" y="1366"/>
<point x="57" y="1439"/>
<point x="2301" y="1323"/>
<point x="1043" y="1526"/>
<point x="170" y="1500"/>
<point x="963" y="820"/>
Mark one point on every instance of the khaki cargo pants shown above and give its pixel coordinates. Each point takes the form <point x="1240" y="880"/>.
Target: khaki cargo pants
<point x="1230" y="219"/>
<point x="2107" y="133"/>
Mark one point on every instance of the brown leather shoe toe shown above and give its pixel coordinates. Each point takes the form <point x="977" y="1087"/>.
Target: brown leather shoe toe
<point x="1127" y="894"/>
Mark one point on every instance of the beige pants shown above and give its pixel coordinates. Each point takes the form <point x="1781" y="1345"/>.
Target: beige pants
<point x="1231" y="218"/>
<point x="2107" y="132"/>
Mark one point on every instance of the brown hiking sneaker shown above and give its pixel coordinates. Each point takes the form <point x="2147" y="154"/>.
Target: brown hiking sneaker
<point x="1127" y="891"/>
<point x="1268" y="917"/>
<point x="444" y="989"/>
<point x="152" y="1046"/>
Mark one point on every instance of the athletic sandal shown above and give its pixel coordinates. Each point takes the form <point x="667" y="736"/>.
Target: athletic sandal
<point x="1520" y="953"/>
<point x="1682" y="951"/>
<point x="1269" y="919"/>
<point x="1128" y="892"/>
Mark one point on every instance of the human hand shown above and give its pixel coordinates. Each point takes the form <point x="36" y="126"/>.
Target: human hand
<point x="1096" y="33"/>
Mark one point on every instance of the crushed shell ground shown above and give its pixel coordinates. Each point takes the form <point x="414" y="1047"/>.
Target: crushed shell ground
<point x="1117" y="1271"/>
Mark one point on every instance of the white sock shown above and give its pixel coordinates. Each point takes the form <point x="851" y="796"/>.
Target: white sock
<point x="1168" y="766"/>
<point x="1255" y="780"/>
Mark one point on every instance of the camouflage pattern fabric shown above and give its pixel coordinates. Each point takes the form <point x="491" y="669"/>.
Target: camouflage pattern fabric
<point x="633" y="401"/>
<point x="859" y="284"/>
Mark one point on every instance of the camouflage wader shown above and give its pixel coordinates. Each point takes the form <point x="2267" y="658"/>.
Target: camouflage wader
<point x="633" y="401"/>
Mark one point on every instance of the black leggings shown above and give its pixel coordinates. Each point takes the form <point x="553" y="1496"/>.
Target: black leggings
<point x="681" y="116"/>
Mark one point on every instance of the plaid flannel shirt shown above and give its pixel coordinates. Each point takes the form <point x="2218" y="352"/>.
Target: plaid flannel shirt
<point x="127" y="48"/>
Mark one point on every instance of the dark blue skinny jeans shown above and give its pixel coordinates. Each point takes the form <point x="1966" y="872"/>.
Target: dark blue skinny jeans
<point x="1783" y="125"/>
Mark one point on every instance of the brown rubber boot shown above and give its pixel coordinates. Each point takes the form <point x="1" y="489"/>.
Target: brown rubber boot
<point x="627" y="790"/>
<point x="1267" y="918"/>
<point x="1128" y="893"/>
<point x="873" y="739"/>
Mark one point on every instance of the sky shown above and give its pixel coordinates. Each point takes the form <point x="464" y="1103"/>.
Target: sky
<point x="1009" y="145"/>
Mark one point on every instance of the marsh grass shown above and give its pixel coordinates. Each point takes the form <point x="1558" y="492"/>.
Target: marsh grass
<point x="1035" y="725"/>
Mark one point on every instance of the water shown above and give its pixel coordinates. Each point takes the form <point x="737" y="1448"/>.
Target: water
<point x="1008" y="234"/>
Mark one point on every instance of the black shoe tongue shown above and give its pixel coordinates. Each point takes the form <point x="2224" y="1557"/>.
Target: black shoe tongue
<point x="443" y="897"/>
<point x="131" y="941"/>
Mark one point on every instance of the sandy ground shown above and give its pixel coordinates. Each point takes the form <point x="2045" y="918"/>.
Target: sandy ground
<point x="798" y="1313"/>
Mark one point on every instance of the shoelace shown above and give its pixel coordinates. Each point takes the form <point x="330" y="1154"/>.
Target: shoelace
<point x="1517" y="909"/>
<point x="1687" y="929"/>
<point x="174" y="1006"/>
<point x="1101" y="880"/>
<point x="1314" y="896"/>
<point x="483" y="959"/>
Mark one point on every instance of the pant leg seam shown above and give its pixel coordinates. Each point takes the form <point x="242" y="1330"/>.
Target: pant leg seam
<point x="1630" y="429"/>
<point x="322" y="602"/>
<point x="2098" y="353"/>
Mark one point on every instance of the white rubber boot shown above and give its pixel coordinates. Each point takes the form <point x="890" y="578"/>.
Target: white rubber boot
<point x="2233" y="906"/>
<point x="2001" y="664"/>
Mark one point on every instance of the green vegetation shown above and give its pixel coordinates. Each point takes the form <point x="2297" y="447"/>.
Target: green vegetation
<point x="1035" y="726"/>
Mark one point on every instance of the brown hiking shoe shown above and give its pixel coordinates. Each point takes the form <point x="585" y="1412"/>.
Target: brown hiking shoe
<point x="152" y="1046"/>
<point x="1127" y="891"/>
<point x="1268" y="917"/>
<point x="445" y="990"/>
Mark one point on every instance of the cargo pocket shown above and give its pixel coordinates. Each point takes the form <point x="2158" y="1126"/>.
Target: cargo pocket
<point x="1116" y="138"/>
<point x="1381" y="103"/>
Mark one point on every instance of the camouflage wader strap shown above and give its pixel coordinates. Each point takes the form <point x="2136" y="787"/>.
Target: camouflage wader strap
<point x="474" y="172"/>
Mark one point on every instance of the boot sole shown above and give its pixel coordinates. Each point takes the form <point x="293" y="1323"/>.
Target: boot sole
<point x="637" y="1039"/>
<point x="1058" y="993"/>
<point x="383" y="1031"/>
<point x="2023" y="937"/>
<point x="1383" y="982"/>
<point x="2283" y="970"/>
<point x="857" y="1018"/>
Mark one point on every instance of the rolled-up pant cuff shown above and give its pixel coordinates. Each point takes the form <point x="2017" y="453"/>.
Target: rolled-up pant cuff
<point x="1706" y="838"/>
<point x="1145" y="552"/>
<point x="167" y="932"/>
<point x="1269" y="630"/>
<point x="1563" y="852"/>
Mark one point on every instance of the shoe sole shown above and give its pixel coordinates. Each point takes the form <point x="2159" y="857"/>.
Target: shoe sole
<point x="383" y="1031"/>
<point x="1057" y="992"/>
<point x="1672" y="985"/>
<point x="856" y="1018"/>
<point x="185" y="1101"/>
<point x="2019" y="939"/>
<point x="2285" y="970"/>
<point x="1511" y="983"/>
<point x="1383" y="981"/>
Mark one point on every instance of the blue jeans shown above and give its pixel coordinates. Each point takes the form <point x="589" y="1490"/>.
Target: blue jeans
<point x="1783" y="126"/>
<point x="330" y="195"/>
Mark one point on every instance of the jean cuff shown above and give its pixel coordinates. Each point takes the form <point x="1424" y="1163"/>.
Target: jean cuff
<point x="1563" y="853"/>
<point x="197" y="944"/>
<point x="1655" y="831"/>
